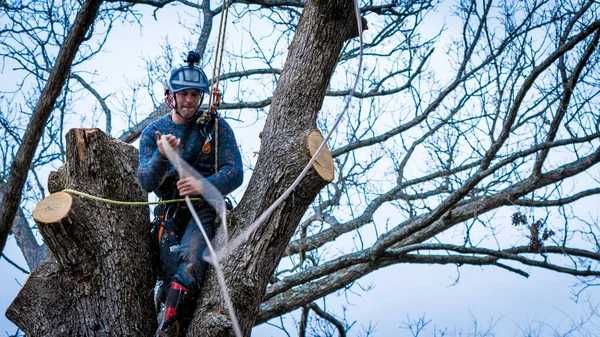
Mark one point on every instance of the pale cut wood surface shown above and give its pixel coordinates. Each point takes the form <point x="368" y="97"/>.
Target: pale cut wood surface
<point x="53" y="208"/>
<point x="324" y="163"/>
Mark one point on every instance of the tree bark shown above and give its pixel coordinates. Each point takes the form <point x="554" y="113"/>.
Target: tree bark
<point x="99" y="278"/>
<point x="33" y="252"/>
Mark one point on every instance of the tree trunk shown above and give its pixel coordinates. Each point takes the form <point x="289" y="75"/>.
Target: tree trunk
<point x="99" y="278"/>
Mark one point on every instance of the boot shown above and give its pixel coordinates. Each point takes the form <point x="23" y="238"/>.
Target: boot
<point x="169" y="315"/>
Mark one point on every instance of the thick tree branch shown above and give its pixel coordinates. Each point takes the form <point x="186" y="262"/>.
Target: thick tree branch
<point x="130" y="135"/>
<point x="22" y="162"/>
<point x="272" y="3"/>
<point x="33" y="253"/>
<point x="305" y="287"/>
<point x="236" y="75"/>
<point x="158" y="3"/>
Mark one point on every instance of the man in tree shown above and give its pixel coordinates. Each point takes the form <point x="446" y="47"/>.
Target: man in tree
<point x="191" y="132"/>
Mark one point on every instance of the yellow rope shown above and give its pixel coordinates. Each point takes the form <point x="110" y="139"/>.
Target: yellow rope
<point x="125" y="203"/>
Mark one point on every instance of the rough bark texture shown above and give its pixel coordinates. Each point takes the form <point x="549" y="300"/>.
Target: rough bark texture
<point x="313" y="54"/>
<point x="99" y="278"/>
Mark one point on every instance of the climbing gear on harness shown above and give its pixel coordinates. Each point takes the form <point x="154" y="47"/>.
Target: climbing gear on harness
<point x="204" y="117"/>
<point x="169" y="246"/>
<point x="206" y="148"/>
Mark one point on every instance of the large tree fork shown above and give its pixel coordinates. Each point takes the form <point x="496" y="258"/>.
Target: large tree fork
<point x="99" y="278"/>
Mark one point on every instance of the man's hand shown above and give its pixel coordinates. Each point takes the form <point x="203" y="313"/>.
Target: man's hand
<point x="189" y="186"/>
<point x="169" y="139"/>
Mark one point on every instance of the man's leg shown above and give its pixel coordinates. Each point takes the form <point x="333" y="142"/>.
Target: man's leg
<point x="192" y="266"/>
<point x="191" y="269"/>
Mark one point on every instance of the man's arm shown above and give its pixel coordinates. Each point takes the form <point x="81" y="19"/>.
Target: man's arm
<point x="153" y="165"/>
<point x="230" y="173"/>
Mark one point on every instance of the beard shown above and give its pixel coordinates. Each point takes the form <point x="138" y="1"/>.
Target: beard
<point x="186" y="112"/>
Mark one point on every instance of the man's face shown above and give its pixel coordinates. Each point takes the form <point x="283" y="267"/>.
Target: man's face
<point x="187" y="102"/>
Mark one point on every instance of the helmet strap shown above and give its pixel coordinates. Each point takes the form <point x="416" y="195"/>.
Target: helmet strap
<point x="169" y="99"/>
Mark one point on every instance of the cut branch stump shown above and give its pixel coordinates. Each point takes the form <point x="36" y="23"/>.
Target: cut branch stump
<point x="324" y="161"/>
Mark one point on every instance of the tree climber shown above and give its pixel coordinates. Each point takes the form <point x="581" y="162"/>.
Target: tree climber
<point x="192" y="132"/>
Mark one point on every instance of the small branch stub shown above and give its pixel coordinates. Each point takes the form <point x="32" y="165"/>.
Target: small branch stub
<point x="53" y="208"/>
<point x="324" y="162"/>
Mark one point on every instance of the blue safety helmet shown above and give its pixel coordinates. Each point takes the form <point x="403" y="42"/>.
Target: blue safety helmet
<point x="189" y="76"/>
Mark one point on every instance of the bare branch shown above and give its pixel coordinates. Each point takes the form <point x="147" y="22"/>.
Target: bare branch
<point x="330" y="234"/>
<point x="101" y="100"/>
<point x="557" y="202"/>
<point x="14" y="264"/>
<point x="22" y="162"/>
<point x="327" y="316"/>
